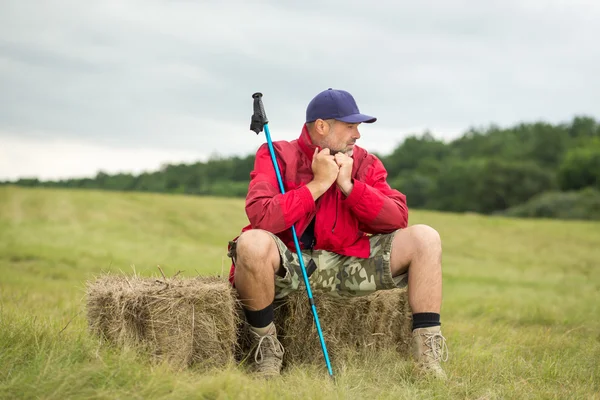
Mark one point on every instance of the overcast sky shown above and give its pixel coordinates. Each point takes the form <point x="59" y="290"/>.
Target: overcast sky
<point x="127" y="85"/>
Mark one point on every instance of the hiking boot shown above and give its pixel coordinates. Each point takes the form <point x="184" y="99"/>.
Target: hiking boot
<point x="268" y="353"/>
<point x="429" y="348"/>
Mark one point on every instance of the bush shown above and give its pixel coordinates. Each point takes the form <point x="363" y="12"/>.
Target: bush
<point x="418" y="188"/>
<point x="581" y="167"/>
<point x="488" y="185"/>
<point x="583" y="204"/>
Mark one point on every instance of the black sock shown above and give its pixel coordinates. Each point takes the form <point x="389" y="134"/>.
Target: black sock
<point x="425" y="320"/>
<point x="260" y="318"/>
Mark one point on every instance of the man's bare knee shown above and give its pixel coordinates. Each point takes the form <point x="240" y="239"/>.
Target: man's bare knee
<point x="256" y="249"/>
<point x="426" y="238"/>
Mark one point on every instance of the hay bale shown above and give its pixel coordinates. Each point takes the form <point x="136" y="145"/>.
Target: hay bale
<point x="181" y="321"/>
<point x="379" y="321"/>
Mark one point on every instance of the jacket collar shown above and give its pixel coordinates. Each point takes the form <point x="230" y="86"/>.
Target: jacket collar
<point x="306" y="144"/>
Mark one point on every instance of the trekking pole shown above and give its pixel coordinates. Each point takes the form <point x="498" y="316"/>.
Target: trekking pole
<point x="259" y="120"/>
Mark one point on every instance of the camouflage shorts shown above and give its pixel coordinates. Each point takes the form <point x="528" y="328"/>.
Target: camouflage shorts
<point x="337" y="274"/>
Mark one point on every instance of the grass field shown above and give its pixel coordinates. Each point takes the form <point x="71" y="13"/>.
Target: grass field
<point x="521" y="306"/>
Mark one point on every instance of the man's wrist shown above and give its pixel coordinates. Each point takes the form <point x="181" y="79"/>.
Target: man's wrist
<point x="317" y="188"/>
<point x="347" y="188"/>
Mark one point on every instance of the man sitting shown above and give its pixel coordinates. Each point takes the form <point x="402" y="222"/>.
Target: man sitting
<point x="352" y="227"/>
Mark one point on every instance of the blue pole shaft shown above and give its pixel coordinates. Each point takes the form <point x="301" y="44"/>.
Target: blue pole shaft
<point x="301" y="260"/>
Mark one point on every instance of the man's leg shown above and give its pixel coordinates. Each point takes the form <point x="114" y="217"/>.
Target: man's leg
<point x="256" y="263"/>
<point x="418" y="251"/>
<point x="257" y="260"/>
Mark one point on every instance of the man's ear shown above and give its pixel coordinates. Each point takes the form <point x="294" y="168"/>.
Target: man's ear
<point x="321" y="127"/>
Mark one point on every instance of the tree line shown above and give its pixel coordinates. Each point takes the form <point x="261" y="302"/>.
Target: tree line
<point x="529" y="169"/>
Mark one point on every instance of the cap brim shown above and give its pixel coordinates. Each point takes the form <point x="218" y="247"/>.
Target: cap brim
<point x="356" y="118"/>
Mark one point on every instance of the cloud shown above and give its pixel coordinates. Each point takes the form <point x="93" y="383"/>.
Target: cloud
<point x="48" y="159"/>
<point x="179" y="75"/>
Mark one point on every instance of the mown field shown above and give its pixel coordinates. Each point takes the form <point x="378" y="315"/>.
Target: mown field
<point x="521" y="306"/>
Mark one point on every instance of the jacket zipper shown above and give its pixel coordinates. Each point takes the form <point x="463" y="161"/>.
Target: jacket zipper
<point x="337" y="195"/>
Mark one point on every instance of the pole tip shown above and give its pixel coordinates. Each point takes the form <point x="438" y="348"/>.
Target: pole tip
<point x="257" y="95"/>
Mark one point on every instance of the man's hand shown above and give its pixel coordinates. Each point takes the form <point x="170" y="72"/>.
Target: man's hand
<point x="344" y="177"/>
<point x="325" y="171"/>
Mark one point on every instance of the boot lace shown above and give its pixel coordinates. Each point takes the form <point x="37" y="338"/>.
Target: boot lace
<point x="437" y="348"/>
<point x="274" y="347"/>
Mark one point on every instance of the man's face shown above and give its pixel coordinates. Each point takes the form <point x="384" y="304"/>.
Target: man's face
<point x="341" y="137"/>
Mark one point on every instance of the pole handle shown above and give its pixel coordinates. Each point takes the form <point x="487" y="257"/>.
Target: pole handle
<point x="259" y="117"/>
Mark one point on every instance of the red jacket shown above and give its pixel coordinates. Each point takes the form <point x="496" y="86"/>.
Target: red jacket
<point x="341" y="224"/>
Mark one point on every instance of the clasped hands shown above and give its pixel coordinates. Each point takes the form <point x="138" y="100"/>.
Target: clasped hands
<point x="328" y="169"/>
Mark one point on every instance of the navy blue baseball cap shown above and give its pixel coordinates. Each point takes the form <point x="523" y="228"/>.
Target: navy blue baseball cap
<point x="336" y="104"/>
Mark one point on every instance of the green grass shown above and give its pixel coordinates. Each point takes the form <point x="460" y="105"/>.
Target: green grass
<point x="521" y="303"/>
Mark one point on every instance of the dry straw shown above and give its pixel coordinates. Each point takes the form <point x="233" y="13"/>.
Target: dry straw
<point x="199" y="321"/>
<point x="351" y="326"/>
<point x="185" y="322"/>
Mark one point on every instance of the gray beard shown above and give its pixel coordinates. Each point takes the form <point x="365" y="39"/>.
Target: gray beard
<point x="348" y="153"/>
<point x="334" y="152"/>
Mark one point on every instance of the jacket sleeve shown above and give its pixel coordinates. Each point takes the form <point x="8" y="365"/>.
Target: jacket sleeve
<point x="266" y="207"/>
<point x="378" y="207"/>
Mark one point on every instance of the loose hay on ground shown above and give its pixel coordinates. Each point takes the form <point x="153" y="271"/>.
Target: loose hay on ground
<point x="351" y="326"/>
<point x="182" y="321"/>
